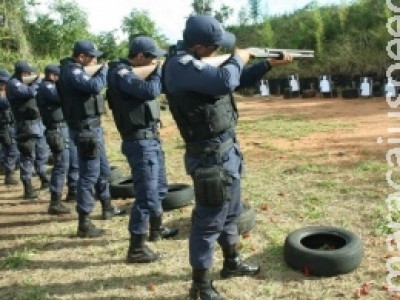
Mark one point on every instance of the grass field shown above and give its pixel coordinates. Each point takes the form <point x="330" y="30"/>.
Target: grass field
<point x="308" y="162"/>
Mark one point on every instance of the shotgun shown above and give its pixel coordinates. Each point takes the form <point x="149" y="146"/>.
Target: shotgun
<point x="144" y="72"/>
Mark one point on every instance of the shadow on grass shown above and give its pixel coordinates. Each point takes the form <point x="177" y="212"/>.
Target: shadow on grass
<point x="73" y="244"/>
<point x="274" y="268"/>
<point x="38" y="222"/>
<point x="94" y="286"/>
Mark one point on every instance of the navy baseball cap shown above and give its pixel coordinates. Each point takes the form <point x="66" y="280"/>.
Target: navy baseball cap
<point x="22" y="66"/>
<point x="206" y="30"/>
<point x="145" y="44"/>
<point x="86" y="47"/>
<point x="4" y="75"/>
<point x="52" y="69"/>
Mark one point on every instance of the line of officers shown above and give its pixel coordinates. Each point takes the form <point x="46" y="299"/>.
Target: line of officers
<point x="65" y="110"/>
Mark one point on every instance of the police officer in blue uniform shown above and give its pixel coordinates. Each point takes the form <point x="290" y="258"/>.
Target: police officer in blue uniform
<point x="82" y="106"/>
<point x="202" y="104"/>
<point x="9" y="153"/>
<point x="57" y="136"/>
<point x="137" y="114"/>
<point x="31" y="142"/>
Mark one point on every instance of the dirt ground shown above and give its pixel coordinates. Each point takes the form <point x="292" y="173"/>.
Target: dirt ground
<point x="367" y="139"/>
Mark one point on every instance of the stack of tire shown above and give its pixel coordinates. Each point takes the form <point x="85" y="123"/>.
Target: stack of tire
<point x="122" y="187"/>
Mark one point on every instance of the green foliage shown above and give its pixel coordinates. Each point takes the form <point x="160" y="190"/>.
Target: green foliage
<point x="16" y="259"/>
<point x="138" y="22"/>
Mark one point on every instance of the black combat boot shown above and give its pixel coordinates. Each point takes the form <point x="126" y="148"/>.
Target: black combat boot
<point x="158" y="232"/>
<point x="86" y="228"/>
<point x="56" y="207"/>
<point x="233" y="266"/>
<point x="138" y="252"/>
<point x="44" y="182"/>
<point x="109" y="211"/>
<point x="9" y="179"/>
<point x="29" y="192"/>
<point x="202" y="287"/>
<point x="71" y="195"/>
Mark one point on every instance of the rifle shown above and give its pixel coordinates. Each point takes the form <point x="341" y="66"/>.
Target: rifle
<point x="145" y="71"/>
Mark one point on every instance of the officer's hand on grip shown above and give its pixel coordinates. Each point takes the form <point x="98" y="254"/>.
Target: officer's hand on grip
<point x="285" y="59"/>
<point x="244" y="54"/>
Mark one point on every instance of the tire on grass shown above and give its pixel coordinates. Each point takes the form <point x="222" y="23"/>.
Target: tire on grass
<point x="116" y="174"/>
<point x="179" y="195"/>
<point x="122" y="188"/>
<point x="247" y="220"/>
<point x="323" y="250"/>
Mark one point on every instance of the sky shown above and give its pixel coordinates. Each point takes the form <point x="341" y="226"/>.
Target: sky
<point x="170" y="15"/>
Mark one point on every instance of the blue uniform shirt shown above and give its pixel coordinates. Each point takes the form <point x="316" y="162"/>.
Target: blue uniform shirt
<point x="47" y="93"/>
<point x="18" y="90"/>
<point x="185" y="73"/>
<point x="80" y="81"/>
<point x="132" y="85"/>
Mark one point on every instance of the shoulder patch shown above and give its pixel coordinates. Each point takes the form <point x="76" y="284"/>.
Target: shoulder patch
<point x="184" y="60"/>
<point x="76" y="71"/>
<point x="123" y="72"/>
<point x="86" y="77"/>
<point x="18" y="83"/>
<point x="49" y="85"/>
<point x="198" y="64"/>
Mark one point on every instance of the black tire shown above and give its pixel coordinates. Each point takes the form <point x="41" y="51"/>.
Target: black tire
<point x="122" y="188"/>
<point x="247" y="219"/>
<point x="323" y="250"/>
<point x="116" y="174"/>
<point x="179" y="195"/>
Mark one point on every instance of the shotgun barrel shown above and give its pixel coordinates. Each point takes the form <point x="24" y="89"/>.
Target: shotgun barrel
<point x="278" y="53"/>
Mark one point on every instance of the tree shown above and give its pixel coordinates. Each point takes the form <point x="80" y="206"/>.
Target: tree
<point x="223" y="13"/>
<point x="255" y="10"/>
<point x="54" y="35"/>
<point x="139" y="23"/>
<point x="202" y="7"/>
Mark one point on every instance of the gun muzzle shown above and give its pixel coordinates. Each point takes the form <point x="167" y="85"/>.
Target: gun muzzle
<point x="278" y="53"/>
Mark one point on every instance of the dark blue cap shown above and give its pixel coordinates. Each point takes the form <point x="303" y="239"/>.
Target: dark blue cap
<point x="52" y="69"/>
<point x="86" y="47"/>
<point x="4" y="75"/>
<point x="206" y="30"/>
<point x="22" y="66"/>
<point x="145" y="44"/>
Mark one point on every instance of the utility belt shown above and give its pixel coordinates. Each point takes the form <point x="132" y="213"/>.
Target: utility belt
<point x="56" y="125"/>
<point x="143" y="134"/>
<point x="85" y="124"/>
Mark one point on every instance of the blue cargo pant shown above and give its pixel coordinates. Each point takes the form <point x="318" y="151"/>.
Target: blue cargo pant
<point x="146" y="160"/>
<point x="9" y="153"/>
<point x="94" y="173"/>
<point x="73" y="167"/>
<point x="61" y="163"/>
<point x="211" y="224"/>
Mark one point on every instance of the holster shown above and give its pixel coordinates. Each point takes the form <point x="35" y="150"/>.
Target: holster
<point x="211" y="185"/>
<point x="87" y="144"/>
<point x="5" y="137"/>
<point x="55" y="140"/>
<point x="26" y="146"/>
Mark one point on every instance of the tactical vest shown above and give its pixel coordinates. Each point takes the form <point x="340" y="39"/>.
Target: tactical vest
<point x="129" y="115"/>
<point x="76" y="105"/>
<point x="25" y="110"/>
<point x="201" y="117"/>
<point x="51" y="112"/>
<point x="6" y="117"/>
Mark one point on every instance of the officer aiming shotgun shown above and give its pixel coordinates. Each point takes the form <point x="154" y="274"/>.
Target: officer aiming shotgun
<point x="144" y="72"/>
